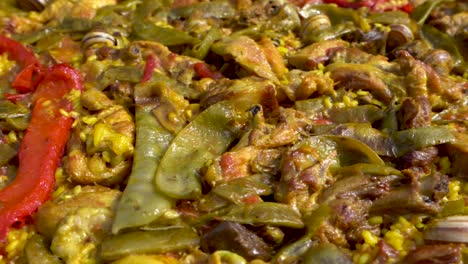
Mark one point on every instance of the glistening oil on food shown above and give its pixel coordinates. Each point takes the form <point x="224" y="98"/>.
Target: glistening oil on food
<point x="233" y="131"/>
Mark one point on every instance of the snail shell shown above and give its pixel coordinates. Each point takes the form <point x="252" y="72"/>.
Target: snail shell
<point x="33" y="5"/>
<point x="399" y="35"/>
<point x="99" y="37"/>
<point x="440" y="60"/>
<point x="315" y="24"/>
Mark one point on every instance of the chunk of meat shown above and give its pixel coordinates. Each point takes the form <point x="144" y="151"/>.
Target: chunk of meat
<point x="301" y="84"/>
<point x="291" y="124"/>
<point x="435" y="254"/>
<point x="79" y="234"/>
<point x="311" y="56"/>
<point x="350" y="216"/>
<point x="52" y="212"/>
<point x="362" y="77"/>
<point x="247" y="53"/>
<point x="273" y="56"/>
<point x="237" y="238"/>
<point x="415" y="113"/>
<point x="421" y="158"/>
<point x="236" y="164"/>
<point x="385" y="253"/>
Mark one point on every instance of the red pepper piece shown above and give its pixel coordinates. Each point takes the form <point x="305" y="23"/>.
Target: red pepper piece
<point x="350" y="3"/>
<point x="30" y="75"/>
<point x="322" y="121"/>
<point x="204" y="71"/>
<point x="41" y="148"/>
<point x="151" y="63"/>
<point x="15" y="98"/>
<point x="253" y="199"/>
<point x="373" y="5"/>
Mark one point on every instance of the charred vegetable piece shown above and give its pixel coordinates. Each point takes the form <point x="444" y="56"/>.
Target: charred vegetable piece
<point x="209" y="135"/>
<point x="41" y="148"/>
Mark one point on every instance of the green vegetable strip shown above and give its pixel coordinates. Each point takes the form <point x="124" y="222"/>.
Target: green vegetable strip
<point x="419" y="138"/>
<point x="201" y="49"/>
<point x="141" y="203"/>
<point x="267" y="213"/>
<point x="148" y="242"/>
<point x="422" y="12"/>
<point x="206" y="137"/>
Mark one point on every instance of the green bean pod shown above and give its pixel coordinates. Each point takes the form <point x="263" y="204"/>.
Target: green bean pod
<point x="419" y="138"/>
<point x="207" y="136"/>
<point x="141" y="203"/>
<point x="267" y="213"/>
<point x="148" y="242"/>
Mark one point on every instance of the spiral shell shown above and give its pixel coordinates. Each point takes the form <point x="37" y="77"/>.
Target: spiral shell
<point x="399" y="35"/>
<point x="99" y="37"/>
<point x="315" y="24"/>
<point x="33" y="5"/>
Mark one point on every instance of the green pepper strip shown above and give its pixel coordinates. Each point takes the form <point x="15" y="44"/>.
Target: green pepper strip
<point x="141" y="203"/>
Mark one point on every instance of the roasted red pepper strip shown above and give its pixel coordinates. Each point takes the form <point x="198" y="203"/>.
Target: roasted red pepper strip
<point x="151" y="64"/>
<point x="41" y="148"/>
<point x="30" y="74"/>
<point x="204" y="71"/>
<point x="373" y="5"/>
